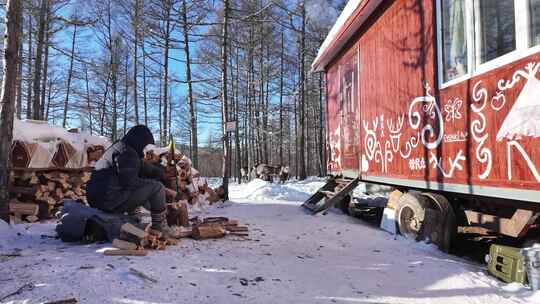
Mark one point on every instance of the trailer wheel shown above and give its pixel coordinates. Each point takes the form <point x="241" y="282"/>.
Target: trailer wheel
<point x="444" y="234"/>
<point x="411" y="210"/>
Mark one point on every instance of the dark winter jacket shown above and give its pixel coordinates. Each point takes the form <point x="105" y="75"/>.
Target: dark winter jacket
<point x="120" y="170"/>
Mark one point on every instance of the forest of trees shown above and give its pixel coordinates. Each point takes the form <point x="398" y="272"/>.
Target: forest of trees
<point x="183" y="67"/>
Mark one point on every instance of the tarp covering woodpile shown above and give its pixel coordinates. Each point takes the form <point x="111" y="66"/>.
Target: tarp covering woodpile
<point x="36" y="144"/>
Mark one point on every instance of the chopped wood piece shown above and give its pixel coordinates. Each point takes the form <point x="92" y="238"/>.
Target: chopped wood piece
<point x="184" y="232"/>
<point x="172" y="242"/>
<point x="23" y="190"/>
<point x="218" y="219"/>
<point x="14" y="220"/>
<point x="32" y="218"/>
<point x="237" y="228"/>
<point x="153" y="232"/>
<point x="233" y="223"/>
<point x="239" y="233"/>
<point x="131" y="229"/>
<point x="120" y="244"/>
<point x="124" y="252"/>
<point x="23" y="208"/>
<point x="208" y="232"/>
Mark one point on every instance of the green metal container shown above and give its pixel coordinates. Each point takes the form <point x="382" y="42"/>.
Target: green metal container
<point x="507" y="263"/>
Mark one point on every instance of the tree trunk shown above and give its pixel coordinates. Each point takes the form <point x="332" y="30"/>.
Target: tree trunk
<point x="166" y="72"/>
<point x="49" y="98"/>
<point x="7" y="98"/>
<point x="321" y="128"/>
<point x="70" y="75"/>
<point x="37" y="67"/>
<point x="136" y="25"/>
<point x="88" y="107"/>
<point x="224" y="98"/>
<point x="302" y="93"/>
<point x="145" y="91"/>
<point x="281" y="99"/>
<point x="45" y="64"/>
<point x="126" y="85"/>
<point x="30" y="66"/>
<point x="238" y="160"/>
<point x="20" y="72"/>
<point x="191" y="102"/>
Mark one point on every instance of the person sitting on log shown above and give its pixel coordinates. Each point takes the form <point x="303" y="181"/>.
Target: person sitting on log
<point x="122" y="181"/>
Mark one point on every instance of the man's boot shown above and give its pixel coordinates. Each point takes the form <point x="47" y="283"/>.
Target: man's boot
<point x="159" y="223"/>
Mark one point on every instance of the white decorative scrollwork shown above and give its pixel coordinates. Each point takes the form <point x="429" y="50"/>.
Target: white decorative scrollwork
<point x="478" y="126"/>
<point x="431" y="109"/>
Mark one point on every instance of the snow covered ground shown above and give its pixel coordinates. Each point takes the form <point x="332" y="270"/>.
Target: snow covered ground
<point x="290" y="257"/>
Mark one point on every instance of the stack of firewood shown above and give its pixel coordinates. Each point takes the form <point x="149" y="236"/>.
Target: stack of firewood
<point x="37" y="194"/>
<point x="134" y="241"/>
<point x="217" y="227"/>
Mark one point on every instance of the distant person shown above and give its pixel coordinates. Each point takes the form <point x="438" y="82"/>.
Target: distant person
<point x="284" y="174"/>
<point x="244" y="174"/>
<point x="253" y="173"/>
<point x="122" y="181"/>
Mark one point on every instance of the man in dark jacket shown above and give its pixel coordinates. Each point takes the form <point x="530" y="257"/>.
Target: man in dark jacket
<point x="122" y="181"/>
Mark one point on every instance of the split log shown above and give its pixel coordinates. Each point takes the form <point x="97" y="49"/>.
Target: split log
<point x="185" y="232"/>
<point x="23" y="208"/>
<point x="32" y="219"/>
<point x="30" y="191"/>
<point x="208" y="232"/>
<point x="238" y="233"/>
<point x="123" y="252"/>
<point x="172" y="242"/>
<point x="121" y="244"/>
<point x="236" y="228"/>
<point x="14" y="220"/>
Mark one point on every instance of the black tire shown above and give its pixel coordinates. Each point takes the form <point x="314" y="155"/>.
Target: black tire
<point x="410" y="214"/>
<point x="446" y="231"/>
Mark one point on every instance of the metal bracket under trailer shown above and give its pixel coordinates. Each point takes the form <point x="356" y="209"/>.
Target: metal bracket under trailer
<point x="335" y="190"/>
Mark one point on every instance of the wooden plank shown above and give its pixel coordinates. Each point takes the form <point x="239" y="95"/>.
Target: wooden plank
<point x="50" y="169"/>
<point x="123" y="252"/>
<point x="208" y="232"/>
<point x="121" y="244"/>
<point x="236" y="228"/>
<point x="23" y="190"/>
<point x="32" y="218"/>
<point x="23" y="208"/>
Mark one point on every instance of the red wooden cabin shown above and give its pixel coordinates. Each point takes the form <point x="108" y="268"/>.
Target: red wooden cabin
<point x="441" y="96"/>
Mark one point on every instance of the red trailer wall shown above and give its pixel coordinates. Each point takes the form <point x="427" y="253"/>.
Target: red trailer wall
<point x="413" y="134"/>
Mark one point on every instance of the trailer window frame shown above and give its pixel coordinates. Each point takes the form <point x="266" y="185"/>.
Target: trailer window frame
<point x="524" y="41"/>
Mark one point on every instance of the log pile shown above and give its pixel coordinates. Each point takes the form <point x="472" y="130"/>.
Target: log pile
<point x="37" y="194"/>
<point x="217" y="227"/>
<point x="135" y="241"/>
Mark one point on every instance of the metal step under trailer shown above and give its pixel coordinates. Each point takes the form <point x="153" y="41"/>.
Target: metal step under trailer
<point x="330" y="194"/>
